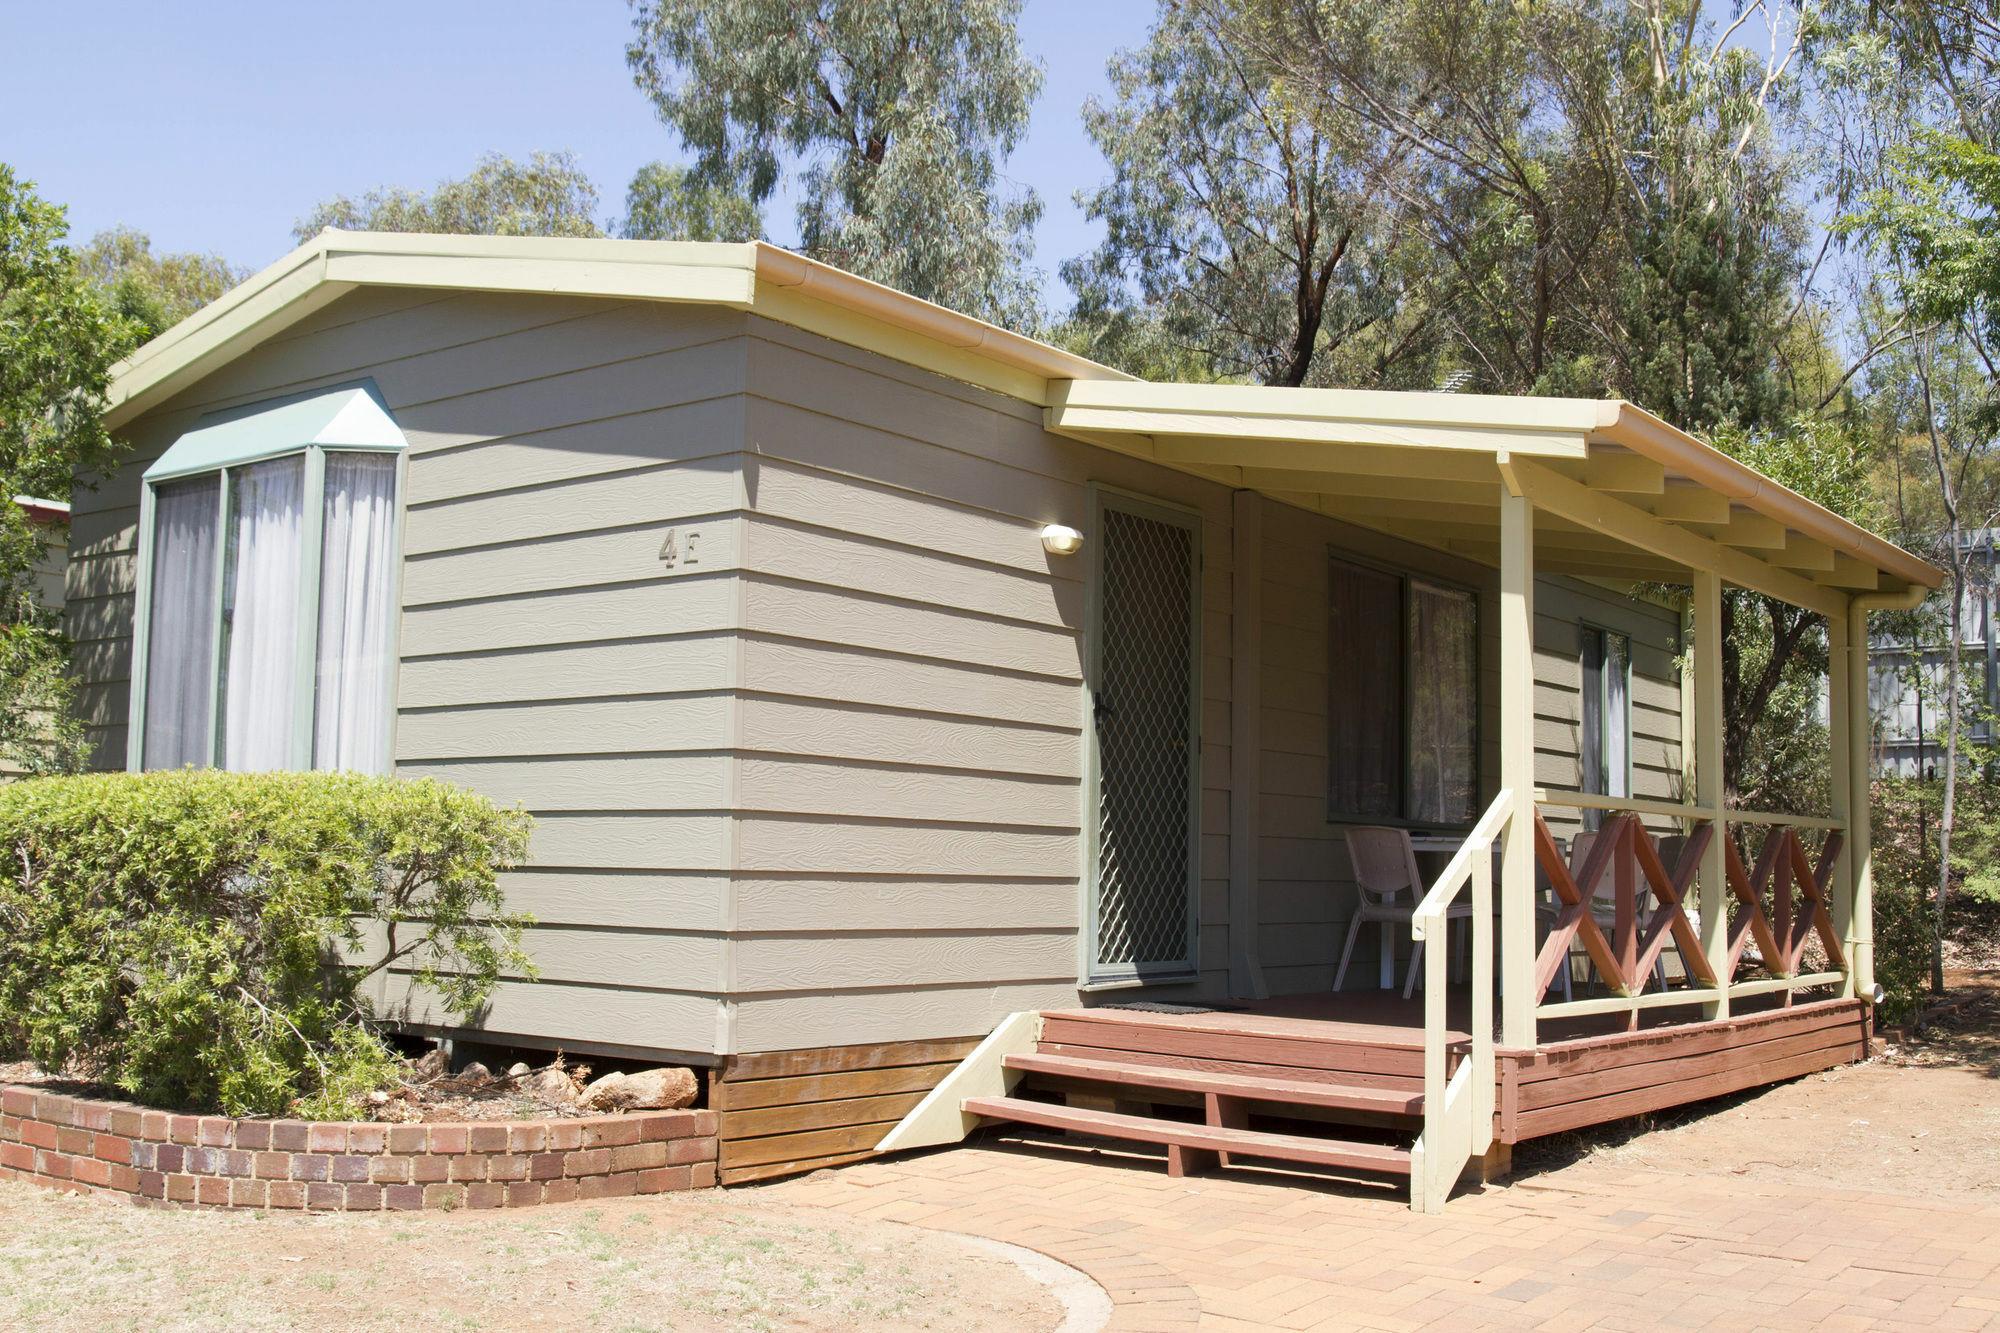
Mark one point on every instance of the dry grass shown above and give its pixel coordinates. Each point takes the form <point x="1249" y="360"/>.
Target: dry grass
<point x="690" y="1261"/>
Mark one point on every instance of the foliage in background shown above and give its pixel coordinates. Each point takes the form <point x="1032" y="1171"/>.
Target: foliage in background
<point x="665" y="203"/>
<point x="1565" y="198"/>
<point x="1774" y="654"/>
<point x="58" y="339"/>
<point x="1906" y="862"/>
<point x="208" y="939"/>
<point x="1261" y="244"/>
<point x="895" y="114"/>
<point x="548" y="195"/>
<point x="150" y="292"/>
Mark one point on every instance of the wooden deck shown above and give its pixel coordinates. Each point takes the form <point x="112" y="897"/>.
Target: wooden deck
<point x="1355" y="1060"/>
<point x="1331" y="1080"/>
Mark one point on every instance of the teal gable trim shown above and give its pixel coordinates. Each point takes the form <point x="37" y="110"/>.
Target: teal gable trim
<point x="347" y="418"/>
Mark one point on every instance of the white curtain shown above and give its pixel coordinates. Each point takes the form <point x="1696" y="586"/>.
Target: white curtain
<point x="180" y="641"/>
<point x="261" y="614"/>
<point x="356" y="614"/>
<point x="1617" y="715"/>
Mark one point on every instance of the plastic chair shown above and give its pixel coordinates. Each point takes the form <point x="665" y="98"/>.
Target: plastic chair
<point x="1385" y="869"/>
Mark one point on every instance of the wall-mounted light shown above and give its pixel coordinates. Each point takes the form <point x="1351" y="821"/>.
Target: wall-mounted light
<point x="1059" y="540"/>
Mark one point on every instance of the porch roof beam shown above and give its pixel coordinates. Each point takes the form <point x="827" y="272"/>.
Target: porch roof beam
<point x="1572" y="561"/>
<point x="1630" y="524"/>
<point x="1805" y="555"/>
<point x="1325" y="461"/>
<point x="1606" y="470"/>
<point x="1234" y="413"/>
<point x="1750" y="531"/>
<point x="1850" y="573"/>
<point x="1366" y="486"/>
<point x="1688" y="504"/>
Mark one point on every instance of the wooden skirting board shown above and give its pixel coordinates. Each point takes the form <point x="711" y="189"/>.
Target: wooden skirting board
<point x="784" y="1112"/>
<point x="1568" y="1085"/>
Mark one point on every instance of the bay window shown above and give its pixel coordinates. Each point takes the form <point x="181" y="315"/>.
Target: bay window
<point x="267" y="590"/>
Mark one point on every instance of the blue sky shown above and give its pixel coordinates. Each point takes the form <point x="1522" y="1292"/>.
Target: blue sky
<point x="214" y="126"/>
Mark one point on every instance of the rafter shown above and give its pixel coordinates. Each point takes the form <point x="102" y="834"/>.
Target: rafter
<point x="1688" y="504"/>
<point x="1614" y="517"/>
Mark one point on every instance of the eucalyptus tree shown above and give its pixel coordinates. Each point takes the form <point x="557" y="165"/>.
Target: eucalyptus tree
<point x="548" y="195"/>
<point x="1600" y="197"/>
<point x="153" y="292"/>
<point x="1260" y="240"/>
<point x="894" y="115"/>
<point x="663" y="203"/>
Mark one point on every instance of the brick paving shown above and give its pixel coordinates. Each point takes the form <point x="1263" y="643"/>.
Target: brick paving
<point x="1587" y="1247"/>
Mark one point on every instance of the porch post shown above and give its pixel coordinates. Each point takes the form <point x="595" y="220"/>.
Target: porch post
<point x="1246" y="746"/>
<point x="1517" y="767"/>
<point x="1860" y="834"/>
<point x="1840" y="775"/>
<point x="1709" y="790"/>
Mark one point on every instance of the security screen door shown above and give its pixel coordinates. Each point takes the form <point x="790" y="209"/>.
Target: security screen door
<point x="1145" y="701"/>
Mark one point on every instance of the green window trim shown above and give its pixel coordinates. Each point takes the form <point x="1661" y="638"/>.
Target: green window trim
<point x="350" y="419"/>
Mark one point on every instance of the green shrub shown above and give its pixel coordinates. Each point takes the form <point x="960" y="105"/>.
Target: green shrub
<point x="208" y="940"/>
<point x="1907" y="812"/>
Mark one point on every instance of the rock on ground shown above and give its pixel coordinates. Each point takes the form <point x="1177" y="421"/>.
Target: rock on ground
<point x="647" y="1090"/>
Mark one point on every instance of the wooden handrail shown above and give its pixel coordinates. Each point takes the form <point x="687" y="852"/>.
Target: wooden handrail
<point x="1635" y="805"/>
<point x="1458" y="1109"/>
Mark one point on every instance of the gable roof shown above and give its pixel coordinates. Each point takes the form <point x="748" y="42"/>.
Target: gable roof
<point x="1623" y="493"/>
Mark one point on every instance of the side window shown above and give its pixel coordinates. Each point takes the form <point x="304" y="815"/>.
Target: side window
<point x="1604" y="742"/>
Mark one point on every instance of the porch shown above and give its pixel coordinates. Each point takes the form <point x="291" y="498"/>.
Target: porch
<point x="1765" y="913"/>
<point x="1372" y="1083"/>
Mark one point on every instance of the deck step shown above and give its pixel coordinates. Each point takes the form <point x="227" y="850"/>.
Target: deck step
<point x="1290" y="1091"/>
<point x="1211" y="1138"/>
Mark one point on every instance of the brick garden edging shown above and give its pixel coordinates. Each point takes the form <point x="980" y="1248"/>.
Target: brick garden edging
<point x="155" y="1156"/>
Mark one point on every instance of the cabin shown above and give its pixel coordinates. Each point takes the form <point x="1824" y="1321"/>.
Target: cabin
<point x="927" y="727"/>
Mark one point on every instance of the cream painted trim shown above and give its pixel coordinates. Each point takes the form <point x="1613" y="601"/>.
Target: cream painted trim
<point x="786" y="287"/>
<point x="938" y="1118"/>
<point x="1642" y="432"/>
<point x="1201" y="426"/>
<point x="1634" y="526"/>
<point x="783" y="271"/>
<point x="1231" y="412"/>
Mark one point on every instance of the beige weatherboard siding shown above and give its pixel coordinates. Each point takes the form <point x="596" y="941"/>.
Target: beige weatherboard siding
<point x="726" y="565"/>
<point x="548" y="657"/>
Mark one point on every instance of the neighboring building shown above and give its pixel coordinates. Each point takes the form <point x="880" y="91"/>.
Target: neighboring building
<point x="52" y="518"/>
<point x="758" y="584"/>
<point x="1908" y="704"/>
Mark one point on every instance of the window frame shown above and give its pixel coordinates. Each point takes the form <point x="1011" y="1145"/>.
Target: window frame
<point x="1405" y="577"/>
<point x="1586" y="628"/>
<point x="312" y="552"/>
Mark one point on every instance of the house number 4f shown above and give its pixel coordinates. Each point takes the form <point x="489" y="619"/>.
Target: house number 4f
<point x="680" y="548"/>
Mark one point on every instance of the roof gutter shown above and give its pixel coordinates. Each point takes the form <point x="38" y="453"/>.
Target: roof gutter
<point x="1909" y="599"/>
<point x="1645" y="433"/>
<point x="782" y="268"/>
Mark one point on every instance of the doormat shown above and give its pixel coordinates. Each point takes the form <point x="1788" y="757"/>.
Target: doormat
<point x="1154" y="1007"/>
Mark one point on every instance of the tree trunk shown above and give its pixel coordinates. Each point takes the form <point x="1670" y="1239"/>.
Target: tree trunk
<point x="1951" y="697"/>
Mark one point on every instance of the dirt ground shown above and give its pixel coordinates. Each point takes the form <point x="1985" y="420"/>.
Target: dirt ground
<point x="1922" y="1117"/>
<point x="696" y="1261"/>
